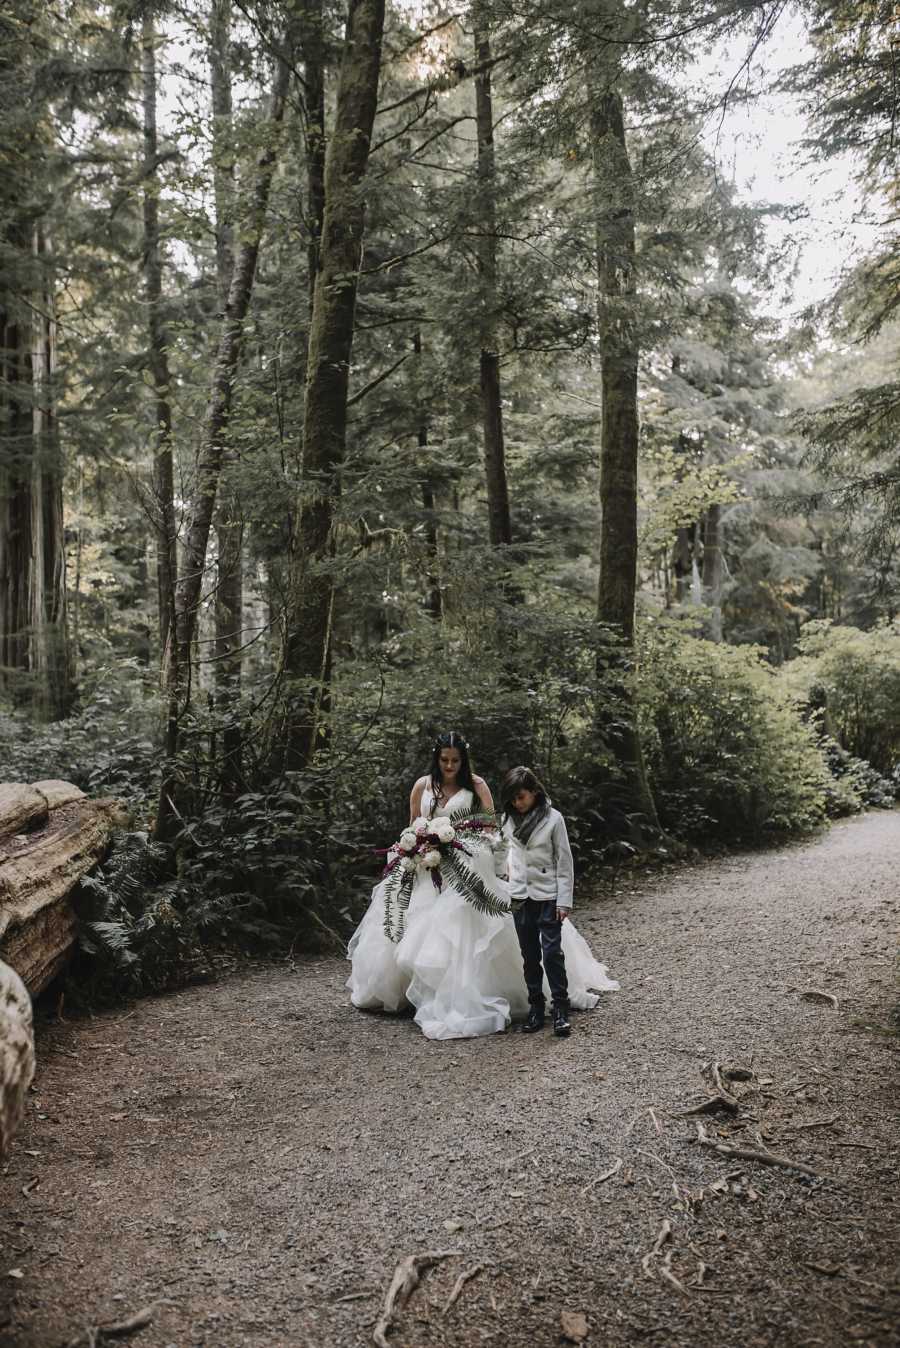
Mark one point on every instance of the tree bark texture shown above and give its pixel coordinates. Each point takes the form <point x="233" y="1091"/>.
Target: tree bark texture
<point x="223" y="142"/>
<point x="17" y="1061"/>
<point x="614" y="197"/>
<point x="308" y="640"/>
<point x="499" y="521"/>
<point x="34" y="648"/>
<point x="163" y="480"/>
<point x="229" y="600"/>
<point x="39" y="870"/>
<point x="212" y="448"/>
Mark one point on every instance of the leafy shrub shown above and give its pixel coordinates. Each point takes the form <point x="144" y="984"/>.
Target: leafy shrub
<point x="852" y="678"/>
<point x="728" y="755"/>
<point x="854" y="783"/>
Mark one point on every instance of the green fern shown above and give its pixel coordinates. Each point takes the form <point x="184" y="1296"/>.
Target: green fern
<point x="474" y="890"/>
<point x="398" y="890"/>
<point x="471" y="812"/>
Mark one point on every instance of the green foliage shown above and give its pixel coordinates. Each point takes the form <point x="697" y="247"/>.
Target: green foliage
<point x="729" y="757"/>
<point x="853" y="679"/>
<point x="137" y="933"/>
<point x="855" y="783"/>
<point x="108" y="747"/>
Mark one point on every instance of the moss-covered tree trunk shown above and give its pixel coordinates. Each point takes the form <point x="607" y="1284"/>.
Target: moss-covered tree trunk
<point x="614" y="205"/>
<point x="212" y="448"/>
<point x="308" y="639"/>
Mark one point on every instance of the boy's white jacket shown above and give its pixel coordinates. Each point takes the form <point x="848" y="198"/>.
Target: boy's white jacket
<point x="544" y="869"/>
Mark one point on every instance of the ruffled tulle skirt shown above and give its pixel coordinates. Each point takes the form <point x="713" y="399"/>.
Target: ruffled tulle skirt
<point x="460" y="969"/>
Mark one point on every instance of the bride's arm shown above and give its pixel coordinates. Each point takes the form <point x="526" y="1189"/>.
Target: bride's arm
<point x="415" y="799"/>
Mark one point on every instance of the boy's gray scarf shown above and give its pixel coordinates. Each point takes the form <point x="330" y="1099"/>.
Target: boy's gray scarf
<point x="525" y="825"/>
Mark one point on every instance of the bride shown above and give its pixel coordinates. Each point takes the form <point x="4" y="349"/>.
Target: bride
<point x="458" y="964"/>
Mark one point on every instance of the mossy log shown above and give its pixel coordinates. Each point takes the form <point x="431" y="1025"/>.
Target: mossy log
<point x="39" y="869"/>
<point x="16" y="1053"/>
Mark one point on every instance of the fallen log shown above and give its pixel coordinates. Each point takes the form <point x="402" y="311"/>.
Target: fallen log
<point x="38" y="872"/>
<point x="16" y="1053"/>
<point x="22" y="808"/>
<point x="58" y="793"/>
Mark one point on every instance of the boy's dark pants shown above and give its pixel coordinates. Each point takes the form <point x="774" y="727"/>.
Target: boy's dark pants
<point x="540" y="936"/>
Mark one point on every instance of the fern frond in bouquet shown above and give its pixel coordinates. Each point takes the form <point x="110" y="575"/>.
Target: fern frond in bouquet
<point x="430" y="845"/>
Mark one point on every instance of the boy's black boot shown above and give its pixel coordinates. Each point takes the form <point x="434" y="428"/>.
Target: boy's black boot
<point x="561" y="1026"/>
<point x="535" y="1019"/>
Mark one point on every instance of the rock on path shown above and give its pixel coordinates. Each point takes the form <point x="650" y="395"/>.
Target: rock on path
<point x="253" y="1159"/>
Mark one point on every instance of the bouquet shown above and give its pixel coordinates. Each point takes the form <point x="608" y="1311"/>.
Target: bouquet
<point x="437" y="846"/>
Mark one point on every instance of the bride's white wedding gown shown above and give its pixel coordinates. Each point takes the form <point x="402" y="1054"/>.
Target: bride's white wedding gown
<point x="461" y="969"/>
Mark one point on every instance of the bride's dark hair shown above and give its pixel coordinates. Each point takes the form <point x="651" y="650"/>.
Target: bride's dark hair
<point x="451" y="739"/>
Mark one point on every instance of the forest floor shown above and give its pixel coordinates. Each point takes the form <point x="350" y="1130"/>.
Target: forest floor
<point x="251" y="1160"/>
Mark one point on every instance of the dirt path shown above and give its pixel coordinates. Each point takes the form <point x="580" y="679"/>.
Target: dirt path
<point x="255" y="1157"/>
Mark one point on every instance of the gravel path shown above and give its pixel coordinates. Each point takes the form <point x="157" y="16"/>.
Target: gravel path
<point x="254" y="1158"/>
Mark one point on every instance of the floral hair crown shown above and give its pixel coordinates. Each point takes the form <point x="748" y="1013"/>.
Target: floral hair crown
<point x="461" y="743"/>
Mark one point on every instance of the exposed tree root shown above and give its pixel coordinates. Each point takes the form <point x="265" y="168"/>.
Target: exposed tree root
<point x="460" y="1283"/>
<point x="815" y="995"/>
<point x="406" y="1279"/>
<point x="665" y="1272"/>
<point x="664" y="1234"/>
<point x="764" y="1157"/>
<point x="607" y="1174"/>
<point x="94" y="1335"/>
<point x="714" y="1105"/>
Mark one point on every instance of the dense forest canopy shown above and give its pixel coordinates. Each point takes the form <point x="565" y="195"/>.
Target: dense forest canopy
<point x="374" y="369"/>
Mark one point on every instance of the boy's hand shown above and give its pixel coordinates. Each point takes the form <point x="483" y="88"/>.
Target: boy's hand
<point x="562" y="914"/>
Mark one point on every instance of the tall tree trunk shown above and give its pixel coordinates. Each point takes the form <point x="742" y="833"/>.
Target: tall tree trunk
<point x="615" y="238"/>
<point x="190" y="582"/>
<point x="163" y="484"/>
<point x="308" y="639"/>
<point x="312" y="45"/>
<point x="499" y="522"/>
<point x="34" y="647"/>
<point x="229" y="602"/>
<point x="433" y="598"/>
<point x="53" y="660"/>
<point x="712" y="571"/>
<point x="683" y="562"/>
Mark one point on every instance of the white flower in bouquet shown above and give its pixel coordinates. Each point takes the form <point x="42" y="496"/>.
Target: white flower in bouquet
<point x="431" y="859"/>
<point x="420" y="825"/>
<point x="408" y="840"/>
<point x="408" y="864"/>
<point x="445" y="831"/>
